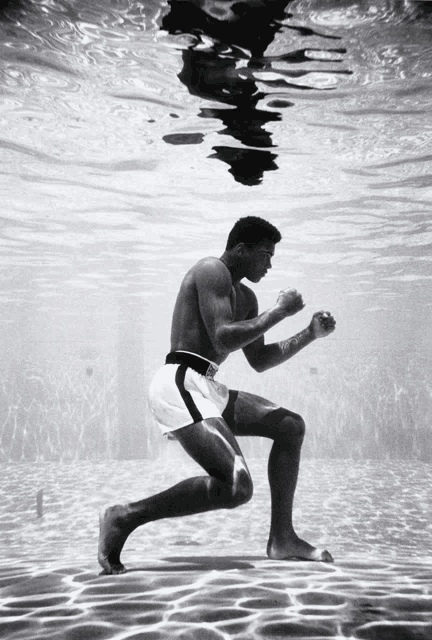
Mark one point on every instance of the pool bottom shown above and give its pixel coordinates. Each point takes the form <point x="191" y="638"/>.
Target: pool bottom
<point x="353" y="509"/>
<point x="206" y="577"/>
<point x="210" y="597"/>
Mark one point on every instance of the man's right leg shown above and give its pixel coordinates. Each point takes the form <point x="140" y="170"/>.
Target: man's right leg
<point x="212" y="445"/>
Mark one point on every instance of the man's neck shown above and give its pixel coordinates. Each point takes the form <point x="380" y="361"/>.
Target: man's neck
<point x="232" y="265"/>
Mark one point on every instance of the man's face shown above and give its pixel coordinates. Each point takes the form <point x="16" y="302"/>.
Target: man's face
<point x="259" y="260"/>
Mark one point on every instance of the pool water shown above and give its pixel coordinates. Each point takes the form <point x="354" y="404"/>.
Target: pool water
<point x="135" y="134"/>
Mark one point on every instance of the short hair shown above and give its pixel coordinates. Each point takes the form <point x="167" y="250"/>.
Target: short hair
<point x="252" y="230"/>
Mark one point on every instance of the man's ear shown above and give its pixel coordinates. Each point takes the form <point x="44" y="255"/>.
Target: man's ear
<point x="240" y="249"/>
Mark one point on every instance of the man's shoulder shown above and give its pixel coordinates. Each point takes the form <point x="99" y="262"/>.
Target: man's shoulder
<point x="210" y="262"/>
<point x="211" y="270"/>
<point x="211" y="266"/>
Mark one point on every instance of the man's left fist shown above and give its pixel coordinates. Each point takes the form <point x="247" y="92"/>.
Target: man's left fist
<point x="322" y="324"/>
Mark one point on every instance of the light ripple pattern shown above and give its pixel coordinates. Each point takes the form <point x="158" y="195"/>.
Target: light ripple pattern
<point x="206" y="576"/>
<point x="219" y="597"/>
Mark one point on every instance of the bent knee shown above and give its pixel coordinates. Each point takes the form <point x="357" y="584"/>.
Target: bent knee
<point x="300" y="426"/>
<point x="292" y="428"/>
<point x="241" y="490"/>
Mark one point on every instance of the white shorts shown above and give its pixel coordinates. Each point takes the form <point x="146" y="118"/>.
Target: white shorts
<point x="179" y="395"/>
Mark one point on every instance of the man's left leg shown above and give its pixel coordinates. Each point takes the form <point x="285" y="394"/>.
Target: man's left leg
<point x="251" y="415"/>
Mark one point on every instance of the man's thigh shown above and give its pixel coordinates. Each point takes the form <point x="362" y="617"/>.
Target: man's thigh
<point x="249" y="415"/>
<point x="212" y="445"/>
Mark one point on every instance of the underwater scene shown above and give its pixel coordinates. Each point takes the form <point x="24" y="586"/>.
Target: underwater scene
<point x="134" y="133"/>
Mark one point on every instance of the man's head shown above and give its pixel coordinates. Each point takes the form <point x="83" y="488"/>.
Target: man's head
<point x="251" y="231"/>
<point x="251" y="245"/>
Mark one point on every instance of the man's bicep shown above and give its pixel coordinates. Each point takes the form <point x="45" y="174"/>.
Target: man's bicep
<point x="214" y="299"/>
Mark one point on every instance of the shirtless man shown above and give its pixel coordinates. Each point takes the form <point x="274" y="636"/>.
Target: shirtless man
<point x="216" y="314"/>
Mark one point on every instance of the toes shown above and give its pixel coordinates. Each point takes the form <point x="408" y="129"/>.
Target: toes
<point x="118" y="569"/>
<point x="326" y="556"/>
<point x="321" y="556"/>
<point x="115" y="569"/>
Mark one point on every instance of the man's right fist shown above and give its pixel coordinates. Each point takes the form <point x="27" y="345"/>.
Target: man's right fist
<point x="290" y="301"/>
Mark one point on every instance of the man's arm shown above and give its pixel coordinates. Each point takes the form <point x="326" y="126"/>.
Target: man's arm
<point x="214" y="287"/>
<point x="263" y="356"/>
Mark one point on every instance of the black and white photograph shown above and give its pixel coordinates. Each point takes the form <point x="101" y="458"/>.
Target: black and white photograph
<point x="215" y="305"/>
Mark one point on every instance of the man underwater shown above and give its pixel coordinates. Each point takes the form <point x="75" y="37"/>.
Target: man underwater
<point x="214" y="315"/>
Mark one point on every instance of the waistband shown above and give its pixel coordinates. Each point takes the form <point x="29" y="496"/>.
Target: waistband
<point x="199" y="364"/>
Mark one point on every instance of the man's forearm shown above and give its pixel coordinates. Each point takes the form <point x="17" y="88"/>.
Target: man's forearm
<point x="239" y="334"/>
<point x="276" y="353"/>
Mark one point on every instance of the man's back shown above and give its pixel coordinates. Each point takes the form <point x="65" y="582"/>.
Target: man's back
<point x="188" y="331"/>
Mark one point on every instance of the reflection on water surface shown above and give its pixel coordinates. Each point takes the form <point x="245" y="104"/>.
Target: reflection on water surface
<point x="225" y="63"/>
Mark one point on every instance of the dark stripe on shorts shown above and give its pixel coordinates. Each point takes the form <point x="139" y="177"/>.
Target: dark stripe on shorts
<point x="229" y="412"/>
<point x="187" y="398"/>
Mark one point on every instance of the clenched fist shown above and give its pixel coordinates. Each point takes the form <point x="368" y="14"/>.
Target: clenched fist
<point x="322" y="324"/>
<point x="290" y="302"/>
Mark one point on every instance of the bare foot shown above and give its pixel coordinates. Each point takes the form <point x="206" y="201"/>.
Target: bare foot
<point x="298" y="549"/>
<point x="112" y="537"/>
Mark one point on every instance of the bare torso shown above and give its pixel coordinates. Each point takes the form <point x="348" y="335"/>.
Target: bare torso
<point x="188" y="331"/>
